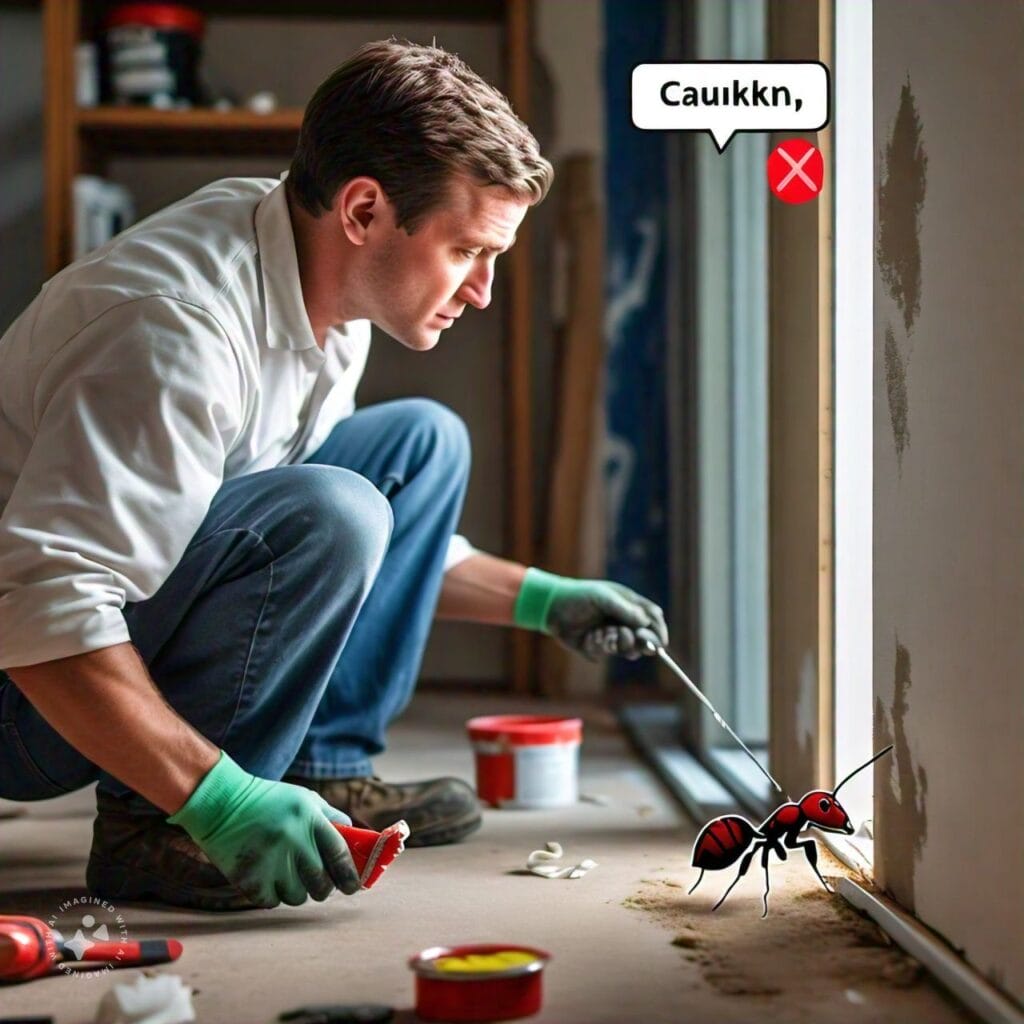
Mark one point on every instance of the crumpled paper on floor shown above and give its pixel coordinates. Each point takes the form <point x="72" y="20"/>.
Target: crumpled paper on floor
<point x="540" y="863"/>
<point x="152" y="999"/>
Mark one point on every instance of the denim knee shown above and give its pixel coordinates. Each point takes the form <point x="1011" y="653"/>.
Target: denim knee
<point x="338" y="512"/>
<point x="442" y="432"/>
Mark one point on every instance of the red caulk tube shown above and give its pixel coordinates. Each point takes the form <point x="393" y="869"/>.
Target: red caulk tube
<point x="373" y="851"/>
<point x="29" y="948"/>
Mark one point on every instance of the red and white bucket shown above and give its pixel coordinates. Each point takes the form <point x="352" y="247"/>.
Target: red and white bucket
<point x="528" y="761"/>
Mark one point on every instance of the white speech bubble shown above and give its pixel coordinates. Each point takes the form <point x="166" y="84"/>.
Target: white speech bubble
<point x="725" y="97"/>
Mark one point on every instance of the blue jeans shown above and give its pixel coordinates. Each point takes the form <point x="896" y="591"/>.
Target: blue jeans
<point x="291" y="632"/>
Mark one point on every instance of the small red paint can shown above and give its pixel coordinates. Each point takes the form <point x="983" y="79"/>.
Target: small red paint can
<point x="478" y="992"/>
<point x="526" y="760"/>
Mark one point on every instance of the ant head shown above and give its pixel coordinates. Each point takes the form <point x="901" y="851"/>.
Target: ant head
<point x="821" y="808"/>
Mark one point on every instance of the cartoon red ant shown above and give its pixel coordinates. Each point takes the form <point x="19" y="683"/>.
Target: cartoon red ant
<point x="722" y="841"/>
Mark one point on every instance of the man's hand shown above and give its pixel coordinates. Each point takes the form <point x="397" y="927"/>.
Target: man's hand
<point x="273" y="841"/>
<point x="590" y="616"/>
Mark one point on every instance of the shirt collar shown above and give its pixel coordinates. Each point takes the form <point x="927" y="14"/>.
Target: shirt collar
<point x="287" y="323"/>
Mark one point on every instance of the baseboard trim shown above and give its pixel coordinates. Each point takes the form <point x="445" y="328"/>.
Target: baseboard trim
<point x="974" y="991"/>
<point x="846" y="852"/>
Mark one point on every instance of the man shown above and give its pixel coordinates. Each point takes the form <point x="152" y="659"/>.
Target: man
<point x="214" y="573"/>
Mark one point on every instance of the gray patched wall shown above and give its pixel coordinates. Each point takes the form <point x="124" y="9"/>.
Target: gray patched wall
<point x="949" y="470"/>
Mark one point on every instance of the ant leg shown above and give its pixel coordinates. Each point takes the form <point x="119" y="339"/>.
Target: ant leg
<point x="744" y="867"/>
<point x="811" y="850"/>
<point x="695" y="884"/>
<point x="767" y="883"/>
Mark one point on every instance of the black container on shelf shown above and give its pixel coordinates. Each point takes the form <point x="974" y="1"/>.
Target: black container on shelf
<point x="150" y="55"/>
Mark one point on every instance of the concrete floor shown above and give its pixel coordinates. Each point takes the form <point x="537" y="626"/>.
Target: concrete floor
<point x="628" y="944"/>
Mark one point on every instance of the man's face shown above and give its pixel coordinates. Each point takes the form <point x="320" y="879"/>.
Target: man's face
<point x="421" y="283"/>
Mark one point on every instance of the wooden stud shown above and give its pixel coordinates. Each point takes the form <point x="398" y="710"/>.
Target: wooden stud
<point x="581" y="361"/>
<point x="518" y="414"/>
<point x="60" y="32"/>
<point x="826" y="437"/>
<point x="796" y="417"/>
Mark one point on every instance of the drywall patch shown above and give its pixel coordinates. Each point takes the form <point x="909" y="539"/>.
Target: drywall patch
<point x="898" y="250"/>
<point x="896" y="389"/>
<point x="900" y="199"/>
<point x="903" y="814"/>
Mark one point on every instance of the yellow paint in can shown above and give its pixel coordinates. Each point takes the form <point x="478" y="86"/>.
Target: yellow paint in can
<point x="484" y="963"/>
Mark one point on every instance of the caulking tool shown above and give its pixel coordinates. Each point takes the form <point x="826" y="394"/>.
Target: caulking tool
<point x="654" y="647"/>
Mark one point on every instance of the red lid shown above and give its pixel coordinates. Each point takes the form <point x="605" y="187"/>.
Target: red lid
<point x="168" y="16"/>
<point x="525" y="730"/>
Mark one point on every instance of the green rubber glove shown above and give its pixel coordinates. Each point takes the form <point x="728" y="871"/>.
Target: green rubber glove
<point x="273" y="841"/>
<point x="589" y="616"/>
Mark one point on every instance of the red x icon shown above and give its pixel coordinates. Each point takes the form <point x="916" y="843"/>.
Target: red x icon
<point x="796" y="171"/>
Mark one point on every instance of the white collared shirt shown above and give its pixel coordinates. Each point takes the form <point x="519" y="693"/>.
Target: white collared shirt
<point x="175" y="357"/>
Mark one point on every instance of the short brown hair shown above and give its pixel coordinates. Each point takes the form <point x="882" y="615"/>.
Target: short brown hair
<point x="411" y="116"/>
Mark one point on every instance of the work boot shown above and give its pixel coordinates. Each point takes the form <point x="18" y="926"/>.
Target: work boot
<point x="141" y="857"/>
<point x="437" y="811"/>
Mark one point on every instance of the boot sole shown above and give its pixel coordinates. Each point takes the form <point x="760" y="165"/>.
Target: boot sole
<point x="114" y="881"/>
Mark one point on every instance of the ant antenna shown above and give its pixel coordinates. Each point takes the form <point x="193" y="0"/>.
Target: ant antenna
<point x="862" y="767"/>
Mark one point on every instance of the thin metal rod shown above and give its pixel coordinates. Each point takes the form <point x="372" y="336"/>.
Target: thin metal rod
<point x="667" y="658"/>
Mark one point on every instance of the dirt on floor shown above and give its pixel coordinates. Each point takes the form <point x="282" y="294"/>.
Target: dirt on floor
<point x="812" y="947"/>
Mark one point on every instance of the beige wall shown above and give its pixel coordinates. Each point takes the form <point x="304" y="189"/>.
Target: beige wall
<point x="949" y="466"/>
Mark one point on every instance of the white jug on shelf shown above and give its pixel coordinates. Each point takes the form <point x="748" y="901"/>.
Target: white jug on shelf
<point x="102" y="209"/>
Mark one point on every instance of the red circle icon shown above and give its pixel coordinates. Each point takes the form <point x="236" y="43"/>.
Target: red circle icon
<point x="796" y="171"/>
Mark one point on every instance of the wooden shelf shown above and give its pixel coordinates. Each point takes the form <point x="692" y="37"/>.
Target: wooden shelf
<point x="142" y="129"/>
<point x="370" y="10"/>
